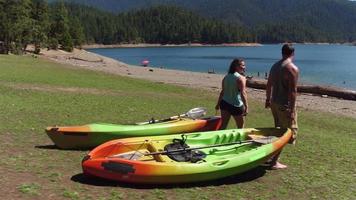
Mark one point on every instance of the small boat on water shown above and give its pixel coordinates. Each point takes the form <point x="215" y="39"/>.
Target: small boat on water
<point x="92" y="135"/>
<point x="183" y="158"/>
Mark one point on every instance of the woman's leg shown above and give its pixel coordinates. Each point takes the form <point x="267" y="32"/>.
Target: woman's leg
<point x="240" y="121"/>
<point x="225" y="118"/>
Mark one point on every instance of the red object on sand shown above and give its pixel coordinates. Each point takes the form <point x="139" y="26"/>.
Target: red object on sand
<point x="145" y="62"/>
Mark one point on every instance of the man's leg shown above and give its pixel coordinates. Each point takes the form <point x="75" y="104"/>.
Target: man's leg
<point x="280" y="116"/>
<point x="274" y="110"/>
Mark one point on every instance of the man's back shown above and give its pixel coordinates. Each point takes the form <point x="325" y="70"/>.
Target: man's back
<point x="279" y="73"/>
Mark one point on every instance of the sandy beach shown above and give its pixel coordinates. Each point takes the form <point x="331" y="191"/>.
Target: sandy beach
<point x="87" y="60"/>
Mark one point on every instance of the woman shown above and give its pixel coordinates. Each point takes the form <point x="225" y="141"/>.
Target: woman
<point x="233" y="97"/>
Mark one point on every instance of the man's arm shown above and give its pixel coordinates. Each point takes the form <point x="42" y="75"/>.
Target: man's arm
<point x="269" y="90"/>
<point x="293" y="75"/>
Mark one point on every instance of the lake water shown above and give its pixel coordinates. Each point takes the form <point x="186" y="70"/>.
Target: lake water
<point x="333" y="65"/>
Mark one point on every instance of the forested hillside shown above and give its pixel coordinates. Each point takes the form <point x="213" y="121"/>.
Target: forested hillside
<point x="34" y="22"/>
<point x="161" y="24"/>
<point x="249" y="12"/>
<point x="65" y="25"/>
<point x="272" y="21"/>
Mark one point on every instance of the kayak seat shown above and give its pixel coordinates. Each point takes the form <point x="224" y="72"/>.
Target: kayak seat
<point x="151" y="148"/>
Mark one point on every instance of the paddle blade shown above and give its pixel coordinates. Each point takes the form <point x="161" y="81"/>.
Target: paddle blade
<point x="265" y="140"/>
<point x="196" y="113"/>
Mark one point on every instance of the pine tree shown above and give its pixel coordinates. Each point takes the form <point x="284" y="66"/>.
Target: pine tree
<point x="67" y="42"/>
<point x="15" y="25"/>
<point x="40" y="28"/>
<point x="2" y="27"/>
<point x="59" y="28"/>
<point x="76" y="32"/>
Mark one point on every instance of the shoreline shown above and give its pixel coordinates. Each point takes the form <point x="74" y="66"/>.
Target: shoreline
<point x="256" y="75"/>
<point x="242" y="44"/>
<point x="143" y="45"/>
<point x="206" y="81"/>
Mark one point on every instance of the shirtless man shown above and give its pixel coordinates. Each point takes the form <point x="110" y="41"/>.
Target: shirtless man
<point x="281" y="95"/>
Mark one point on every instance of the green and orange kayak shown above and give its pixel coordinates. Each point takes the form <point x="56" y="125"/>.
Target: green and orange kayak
<point x="184" y="158"/>
<point x="92" y="135"/>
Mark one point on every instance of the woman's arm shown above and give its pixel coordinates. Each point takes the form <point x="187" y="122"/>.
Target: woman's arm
<point x="242" y="87"/>
<point x="217" y="107"/>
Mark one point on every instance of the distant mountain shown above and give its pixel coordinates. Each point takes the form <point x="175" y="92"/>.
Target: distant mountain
<point x="334" y="17"/>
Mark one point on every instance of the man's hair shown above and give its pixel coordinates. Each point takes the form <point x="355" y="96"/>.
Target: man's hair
<point x="236" y="62"/>
<point x="287" y="49"/>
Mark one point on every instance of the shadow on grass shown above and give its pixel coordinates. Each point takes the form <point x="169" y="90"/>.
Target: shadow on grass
<point x="239" y="178"/>
<point x="54" y="147"/>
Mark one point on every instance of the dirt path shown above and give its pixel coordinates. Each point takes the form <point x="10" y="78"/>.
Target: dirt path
<point x="91" y="61"/>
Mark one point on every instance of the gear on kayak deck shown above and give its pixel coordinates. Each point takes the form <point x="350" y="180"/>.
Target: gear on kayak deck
<point x="183" y="155"/>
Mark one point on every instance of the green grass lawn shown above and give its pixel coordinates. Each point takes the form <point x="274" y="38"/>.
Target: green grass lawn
<point x="35" y="93"/>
